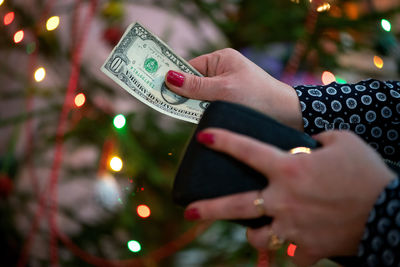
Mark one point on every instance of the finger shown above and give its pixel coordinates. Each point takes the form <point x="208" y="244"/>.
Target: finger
<point x="235" y="206"/>
<point x="303" y="258"/>
<point x="259" y="156"/>
<point x="326" y="138"/>
<point x="205" y="64"/>
<point x="259" y="237"/>
<point x="195" y="87"/>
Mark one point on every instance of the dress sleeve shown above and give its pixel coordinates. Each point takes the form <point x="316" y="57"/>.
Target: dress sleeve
<point x="370" y="108"/>
<point x="380" y="245"/>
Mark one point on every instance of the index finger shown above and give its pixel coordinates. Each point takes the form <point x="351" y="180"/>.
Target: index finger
<point x="254" y="153"/>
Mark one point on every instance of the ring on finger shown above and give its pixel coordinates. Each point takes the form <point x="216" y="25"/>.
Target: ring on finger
<point x="259" y="204"/>
<point x="300" y="150"/>
<point x="275" y="242"/>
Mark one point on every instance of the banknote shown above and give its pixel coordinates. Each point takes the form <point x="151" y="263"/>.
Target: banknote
<point x="139" y="63"/>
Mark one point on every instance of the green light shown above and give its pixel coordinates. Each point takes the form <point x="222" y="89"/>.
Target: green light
<point x="134" y="246"/>
<point x="386" y="25"/>
<point x="119" y="121"/>
<point x="340" y="80"/>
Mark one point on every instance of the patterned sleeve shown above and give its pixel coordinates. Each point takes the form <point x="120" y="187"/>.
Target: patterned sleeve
<point x="370" y="108"/>
<point x="380" y="245"/>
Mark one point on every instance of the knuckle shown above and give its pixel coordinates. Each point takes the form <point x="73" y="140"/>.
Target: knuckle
<point x="195" y="84"/>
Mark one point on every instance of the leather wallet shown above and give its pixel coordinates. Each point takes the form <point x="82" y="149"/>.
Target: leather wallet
<point x="204" y="173"/>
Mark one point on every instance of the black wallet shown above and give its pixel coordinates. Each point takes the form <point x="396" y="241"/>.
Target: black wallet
<point x="204" y="173"/>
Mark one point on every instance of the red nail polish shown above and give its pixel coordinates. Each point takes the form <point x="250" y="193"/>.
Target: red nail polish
<point x="205" y="138"/>
<point x="175" y="78"/>
<point x="192" y="214"/>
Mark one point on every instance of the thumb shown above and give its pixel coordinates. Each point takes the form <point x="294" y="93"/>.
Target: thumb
<point x="192" y="86"/>
<point x="326" y="138"/>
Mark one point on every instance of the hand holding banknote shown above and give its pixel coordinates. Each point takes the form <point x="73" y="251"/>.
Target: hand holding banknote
<point x="232" y="77"/>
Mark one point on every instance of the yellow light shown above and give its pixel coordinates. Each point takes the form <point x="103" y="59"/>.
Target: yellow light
<point x="1" y="2"/>
<point x="378" y="61"/>
<point x="80" y="100"/>
<point x="18" y="36"/>
<point x="40" y="74"/>
<point x="52" y="23"/>
<point x="328" y="77"/>
<point x="143" y="211"/>
<point x="324" y="7"/>
<point x="116" y="164"/>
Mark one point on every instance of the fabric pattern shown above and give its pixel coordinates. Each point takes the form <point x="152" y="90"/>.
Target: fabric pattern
<point x="371" y="109"/>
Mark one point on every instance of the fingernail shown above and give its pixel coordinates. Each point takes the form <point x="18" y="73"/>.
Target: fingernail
<point x="192" y="214"/>
<point x="175" y="78"/>
<point x="205" y="138"/>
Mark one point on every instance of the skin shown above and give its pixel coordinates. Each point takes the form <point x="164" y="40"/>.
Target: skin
<point x="319" y="201"/>
<point x="232" y="77"/>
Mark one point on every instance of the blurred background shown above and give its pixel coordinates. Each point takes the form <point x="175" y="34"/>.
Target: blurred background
<point x="86" y="170"/>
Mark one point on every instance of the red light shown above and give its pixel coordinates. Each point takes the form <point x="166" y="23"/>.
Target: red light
<point x="79" y="100"/>
<point x="18" y="36"/>
<point x="8" y="18"/>
<point x="143" y="211"/>
<point x="291" y="250"/>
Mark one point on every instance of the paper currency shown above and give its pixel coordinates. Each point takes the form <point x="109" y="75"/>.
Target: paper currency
<point x="139" y="63"/>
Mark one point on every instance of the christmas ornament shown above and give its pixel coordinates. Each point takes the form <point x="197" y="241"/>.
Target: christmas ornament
<point x="108" y="192"/>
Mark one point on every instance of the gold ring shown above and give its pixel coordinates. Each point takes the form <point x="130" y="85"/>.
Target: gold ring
<point x="259" y="204"/>
<point x="301" y="149"/>
<point x="275" y="242"/>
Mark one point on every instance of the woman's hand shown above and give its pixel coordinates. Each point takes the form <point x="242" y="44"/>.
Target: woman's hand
<point x="319" y="201"/>
<point x="232" y="77"/>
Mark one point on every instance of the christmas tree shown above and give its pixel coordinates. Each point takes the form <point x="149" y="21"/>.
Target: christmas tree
<point x="86" y="170"/>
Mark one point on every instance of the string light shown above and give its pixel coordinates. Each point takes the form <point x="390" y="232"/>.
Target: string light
<point x="134" y="246"/>
<point x="1" y="2"/>
<point x="18" y="36"/>
<point x="119" y="121"/>
<point x="324" y="7"/>
<point x="291" y="250"/>
<point x="8" y="18"/>
<point x="79" y="100"/>
<point x="40" y="74"/>
<point x="386" y="25"/>
<point x="378" y="61"/>
<point x="340" y="80"/>
<point x="52" y="23"/>
<point x="328" y="77"/>
<point x="143" y="211"/>
<point x="116" y="164"/>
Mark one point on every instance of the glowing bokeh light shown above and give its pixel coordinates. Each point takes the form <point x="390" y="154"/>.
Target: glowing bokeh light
<point x="1" y="2"/>
<point x="340" y="80"/>
<point x="79" y="100"/>
<point x="324" y="7"/>
<point x="116" y="164"/>
<point x="52" y="23"/>
<point x="119" y="121"/>
<point x="40" y="74"/>
<point x="328" y="77"/>
<point x="8" y="18"/>
<point x="143" y="211"/>
<point x="18" y="36"/>
<point x="291" y="250"/>
<point x="134" y="246"/>
<point x="378" y="61"/>
<point x="386" y="25"/>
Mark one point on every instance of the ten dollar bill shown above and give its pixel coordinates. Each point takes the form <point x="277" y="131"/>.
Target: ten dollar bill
<point x="139" y="64"/>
